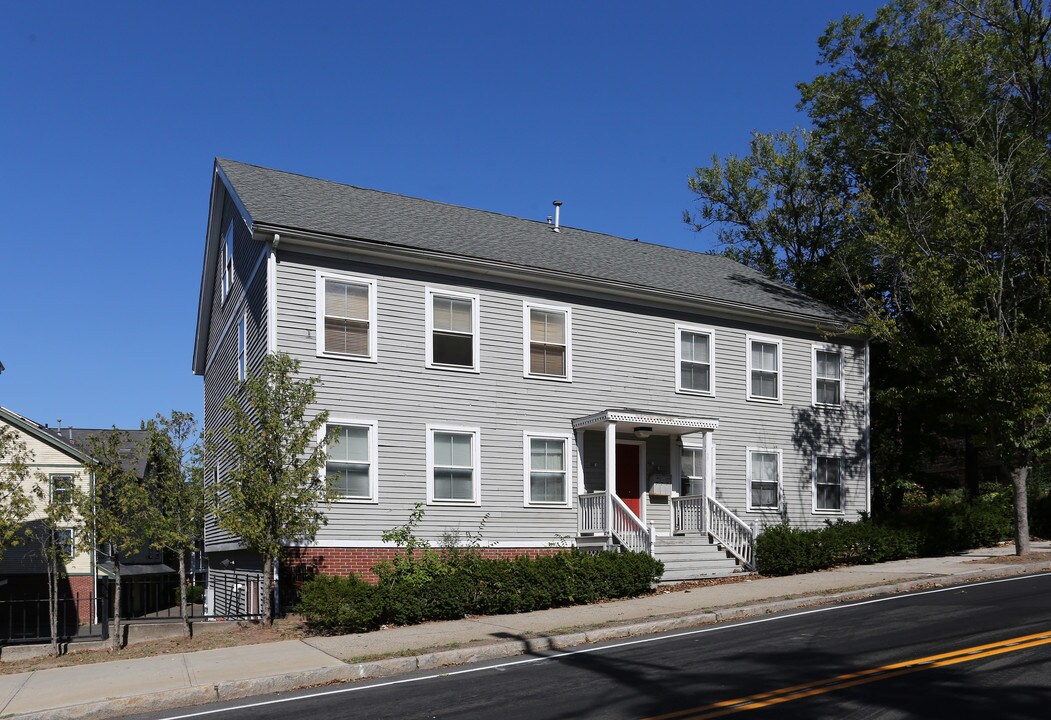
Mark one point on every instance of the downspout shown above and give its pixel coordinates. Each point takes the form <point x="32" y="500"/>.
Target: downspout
<point x="94" y="554"/>
<point x="868" y="432"/>
<point x="271" y="296"/>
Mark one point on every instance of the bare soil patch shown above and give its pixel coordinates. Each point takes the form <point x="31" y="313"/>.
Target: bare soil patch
<point x="232" y="634"/>
<point x="1015" y="559"/>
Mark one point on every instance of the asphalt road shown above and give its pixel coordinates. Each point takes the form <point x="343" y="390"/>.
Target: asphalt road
<point x="980" y="650"/>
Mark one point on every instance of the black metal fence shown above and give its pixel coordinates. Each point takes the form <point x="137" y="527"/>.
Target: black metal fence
<point x="233" y="596"/>
<point x="28" y="620"/>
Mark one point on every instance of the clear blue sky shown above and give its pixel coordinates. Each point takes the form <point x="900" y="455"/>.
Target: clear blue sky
<point x="111" y="114"/>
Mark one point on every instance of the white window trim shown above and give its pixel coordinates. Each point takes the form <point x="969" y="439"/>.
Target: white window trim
<point x="748" y="479"/>
<point x="226" y="259"/>
<point x="527" y="340"/>
<point x="373" y="497"/>
<point x="319" y="314"/>
<point x="242" y="347"/>
<point x="529" y="435"/>
<point x="51" y="485"/>
<point x="476" y="453"/>
<point x="72" y="540"/>
<point x="779" y="400"/>
<point x="842" y="484"/>
<point x="813" y="374"/>
<point x="429" y="294"/>
<point x="680" y="328"/>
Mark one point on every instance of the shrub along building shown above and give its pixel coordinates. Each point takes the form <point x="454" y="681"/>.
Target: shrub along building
<point x="569" y="387"/>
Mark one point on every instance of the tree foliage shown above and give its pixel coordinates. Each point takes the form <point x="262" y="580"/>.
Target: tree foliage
<point x="55" y="513"/>
<point x="931" y="127"/>
<point x="16" y="501"/>
<point x="176" y="485"/>
<point x="116" y="511"/>
<point x="272" y="490"/>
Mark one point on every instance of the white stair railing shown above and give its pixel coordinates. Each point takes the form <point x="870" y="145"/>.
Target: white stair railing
<point x="731" y="532"/>
<point x="629" y="530"/>
<point x="591" y="513"/>
<point x="687" y="514"/>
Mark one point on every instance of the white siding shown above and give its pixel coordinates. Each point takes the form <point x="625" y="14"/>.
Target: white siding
<point x="623" y="357"/>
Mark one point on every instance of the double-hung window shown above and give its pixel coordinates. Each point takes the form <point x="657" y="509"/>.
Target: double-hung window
<point x="764" y="479"/>
<point x="547" y="469"/>
<point x="453" y="465"/>
<point x="828" y="484"/>
<point x="346" y="316"/>
<point x="693" y="359"/>
<point x="764" y="369"/>
<point x="548" y="331"/>
<point x="692" y="471"/>
<point x="828" y="376"/>
<point x="226" y="260"/>
<point x="351" y="464"/>
<point x="242" y="348"/>
<point x="65" y="542"/>
<point x="452" y="330"/>
<point x="62" y="490"/>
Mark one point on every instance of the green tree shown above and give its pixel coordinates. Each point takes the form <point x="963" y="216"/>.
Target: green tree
<point x="56" y="515"/>
<point x="935" y="118"/>
<point x="783" y="210"/>
<point x="275" y="482"/>
<point x="16" y="501"/>
<point x="176" y="484"/>
<point x="116" y="512"/>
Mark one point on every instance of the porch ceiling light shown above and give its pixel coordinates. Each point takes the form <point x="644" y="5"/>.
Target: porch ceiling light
<point x="643" y="431"/>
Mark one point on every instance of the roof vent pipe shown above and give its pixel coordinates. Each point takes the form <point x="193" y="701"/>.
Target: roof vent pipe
<point x="558" y="205"/>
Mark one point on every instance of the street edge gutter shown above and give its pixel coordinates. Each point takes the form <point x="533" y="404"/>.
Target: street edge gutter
<point x="351" y="672"/>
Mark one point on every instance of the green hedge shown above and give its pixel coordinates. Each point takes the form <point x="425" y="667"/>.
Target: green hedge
<point x="944" y="525"/>
<point x="1040" y="516"/>
<point x="783" y="550"/>
<point x="453" y="585"/>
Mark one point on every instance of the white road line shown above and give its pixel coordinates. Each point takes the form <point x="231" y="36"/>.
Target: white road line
<point x="628" y="643"/>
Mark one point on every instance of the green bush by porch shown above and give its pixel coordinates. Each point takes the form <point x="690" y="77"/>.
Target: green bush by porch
<point x="452" y="585"/>
<point x="945" y="524"/>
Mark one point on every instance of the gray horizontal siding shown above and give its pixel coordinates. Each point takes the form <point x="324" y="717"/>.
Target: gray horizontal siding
<point x="623" y="356"/>
<point x="220" y="379"/>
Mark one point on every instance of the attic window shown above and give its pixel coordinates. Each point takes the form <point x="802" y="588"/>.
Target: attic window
<point x="227" y="260"/>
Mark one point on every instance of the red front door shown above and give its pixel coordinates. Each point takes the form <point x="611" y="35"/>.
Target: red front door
<point x="628" y="477"/>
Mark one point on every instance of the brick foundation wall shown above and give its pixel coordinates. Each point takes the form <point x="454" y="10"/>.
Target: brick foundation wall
<point x="81" y="586"/>
<point x="298" y="564"/>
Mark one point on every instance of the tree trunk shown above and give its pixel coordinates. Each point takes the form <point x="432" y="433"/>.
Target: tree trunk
<point x="182" y="595"/>
<point x="116" y="642"/>
<point x="1019" y="475"/>
<point x="267" y="593"/>
<point x="52" y="597"/>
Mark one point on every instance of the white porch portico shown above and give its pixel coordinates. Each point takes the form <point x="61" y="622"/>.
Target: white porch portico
<point x="644" y="477"/>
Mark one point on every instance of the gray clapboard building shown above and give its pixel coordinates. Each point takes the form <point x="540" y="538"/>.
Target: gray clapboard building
<point x="569" y="387"/>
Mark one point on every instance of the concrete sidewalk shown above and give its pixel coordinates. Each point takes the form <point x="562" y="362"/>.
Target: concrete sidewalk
<point x="125" y="687"/>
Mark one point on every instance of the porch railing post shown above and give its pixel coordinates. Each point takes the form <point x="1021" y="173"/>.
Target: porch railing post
<point x="611" y="473"/>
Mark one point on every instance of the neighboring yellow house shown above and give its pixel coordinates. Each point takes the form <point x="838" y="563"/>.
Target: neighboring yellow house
<point x="57" y="466"/>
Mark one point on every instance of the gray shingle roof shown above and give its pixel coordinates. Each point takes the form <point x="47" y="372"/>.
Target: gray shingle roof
<point x="296" y="202"/>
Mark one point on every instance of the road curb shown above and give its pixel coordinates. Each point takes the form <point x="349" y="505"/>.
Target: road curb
<point x="240" y="689"/>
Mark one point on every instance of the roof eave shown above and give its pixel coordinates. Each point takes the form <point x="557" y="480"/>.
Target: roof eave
<point x="221" y="186"/>
<point x="744" y="311"/>
<point x="33" y="429"/>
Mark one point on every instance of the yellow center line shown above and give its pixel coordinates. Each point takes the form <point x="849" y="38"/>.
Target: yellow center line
<point x="840" y="682"/>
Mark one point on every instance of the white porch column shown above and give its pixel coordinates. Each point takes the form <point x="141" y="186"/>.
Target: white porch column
<point x="709" y="464"/>
<point x="611" y="472"/>
<point x="580" y="462"/>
